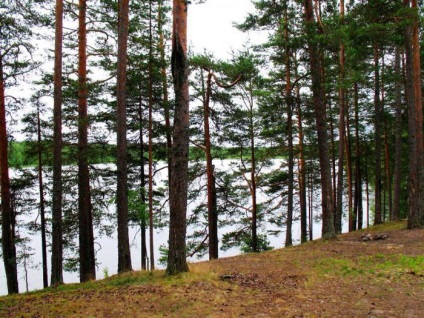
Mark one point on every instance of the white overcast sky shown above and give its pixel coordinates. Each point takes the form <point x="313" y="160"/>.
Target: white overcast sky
<point x="210" y="26"/>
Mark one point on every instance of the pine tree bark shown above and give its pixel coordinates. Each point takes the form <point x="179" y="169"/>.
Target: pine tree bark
<point x="290" y="107"/>
<point x="86" y="238"/>
<point x="124" y="253"/>
<point x="253" y="186"/>
<point x="357" y="205"/>
<point x="211" y="195"/>
<point x="415" y="122"/>
<point x="150" y="92"/>
<point x="143" y="222"/>
<point x="318" y="92"/>
<point x="302" y="173"/>
<point x="179" y="168"/>
<point x="353" y="216"/>
<point x="342" y="114"/>
<point x="398" y="135"/>
<point x="8" y="234"/>
<point x="377" y="137"/>
<point x="57" y="239"/>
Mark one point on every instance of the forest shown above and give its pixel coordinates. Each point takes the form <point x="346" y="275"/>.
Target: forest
<point x="322" y="122"/>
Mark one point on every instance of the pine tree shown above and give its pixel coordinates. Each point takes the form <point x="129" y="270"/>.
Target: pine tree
<point x="124" y="254"/>
<point x="178" y="179"/>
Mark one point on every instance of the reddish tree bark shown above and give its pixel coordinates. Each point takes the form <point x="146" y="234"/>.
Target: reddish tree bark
<point x="86" y="237"/>
<point x="415" y="121"/>
<point x="179" y="168"/>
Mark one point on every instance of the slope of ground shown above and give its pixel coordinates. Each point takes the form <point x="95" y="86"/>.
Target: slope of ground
<point x="345" y="277"/>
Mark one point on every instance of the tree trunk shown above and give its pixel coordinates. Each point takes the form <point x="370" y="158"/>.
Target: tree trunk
<point x="255" y="245"/>
<point x="8" y="235"/>
<point x="349" y="171"/>
<point x="150" y="92"/>
<point x="179" y="168"/>
<point x="143" y="222"/>
<point x="311" y="206"/>
<point x="57" y="240"/>
<point x="415" y="123"/>
<point x="342" y="114"/>
<point x="377" y="137"/>
<point x="86" y="239"/>
<point x="333" y="159"/>
<point x="124" y="253"/>
<point x="211" y="195"/>
<point x="387" y="170"/>
<point x="42" y="205"/>
<point x="302" y="174"/>
<point x="358" y="211"/>
<point x="398" y="143"/>
<point x="367" y="190"/>
<point x="318" y="92"/>
<point x="290" y="106"/>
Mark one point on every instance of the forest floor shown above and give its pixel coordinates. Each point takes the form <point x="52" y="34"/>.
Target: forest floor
<point x="344" y="277"/>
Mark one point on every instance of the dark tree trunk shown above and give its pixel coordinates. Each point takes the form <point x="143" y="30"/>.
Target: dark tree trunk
<point x="388" y="171"/>
<point x="42" y="205"/>
<point x="290" y="106"/>
<point x="143" y="222"/>
<point x="398" y="135"/>
<point x="311" y="206"/>
<point x="124" y="253"/>
<point x="179" y="168"/>
<point x="212" y="208"/>
<point x="253" y="187"/>
<point x="86" y="238"/>
<point x="352" y="214"/>
<point x="8" y="234"/>
<point x="358" y="179"/>
<point x="150" y="92"/>
<point x="289" y="240"/>
<point x="302" y="174"/>
<point x="210" y="176"/>
<point x="328" y="230"/>
<point x="57" y="240"/>
<point x="333" y="159"/>
<point x="377" y="137"/>
<point x="367" y="189"/>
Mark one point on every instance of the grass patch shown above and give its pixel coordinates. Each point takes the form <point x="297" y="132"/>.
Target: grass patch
<point x="377" y="265"/>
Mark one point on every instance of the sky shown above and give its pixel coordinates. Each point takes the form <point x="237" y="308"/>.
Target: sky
<point x="210" y="26"/>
